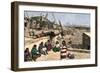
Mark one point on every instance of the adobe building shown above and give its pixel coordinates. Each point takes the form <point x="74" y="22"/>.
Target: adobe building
<point x="86" y="40"/>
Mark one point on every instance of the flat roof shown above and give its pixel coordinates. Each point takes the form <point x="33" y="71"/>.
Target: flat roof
<point x="87" y="33"/>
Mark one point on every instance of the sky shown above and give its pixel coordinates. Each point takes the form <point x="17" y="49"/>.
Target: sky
<point x="78" y="19"/>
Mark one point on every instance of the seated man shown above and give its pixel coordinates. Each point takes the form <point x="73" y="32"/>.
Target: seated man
<point x="27" y="56"/>
<point x="34" y="52"/>
<point x="57" y="47"/>
<point x="42" y="49"/>
<point x="48" y="45"/>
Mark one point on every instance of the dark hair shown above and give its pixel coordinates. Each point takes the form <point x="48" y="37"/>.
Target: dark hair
<point x="27" y="49"/>
<point x="48" y="40"/>
<point x="63" y="42"/>
<point x="57" y="42"/>
<point x="41" y="43"/>
<point x="34" y="45"/>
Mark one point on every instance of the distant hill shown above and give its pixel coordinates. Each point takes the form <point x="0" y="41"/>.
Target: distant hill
<point x="77" y="25"/>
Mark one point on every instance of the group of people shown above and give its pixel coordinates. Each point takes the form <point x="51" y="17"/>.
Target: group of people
<point x="36" y="51"/>
<point x="43" y="48"/>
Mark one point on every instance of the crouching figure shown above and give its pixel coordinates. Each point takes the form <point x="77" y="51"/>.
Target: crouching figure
<point x="34" y="52"/>
<point x="57" y="47"/>
<point x="27" y="55"/>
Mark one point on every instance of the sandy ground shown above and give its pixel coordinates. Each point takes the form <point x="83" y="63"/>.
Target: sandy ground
<point x="29" y="42"/>
<point x="56" y="56"/>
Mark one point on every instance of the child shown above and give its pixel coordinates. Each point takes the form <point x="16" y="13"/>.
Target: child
<point x="63" y="53"/>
